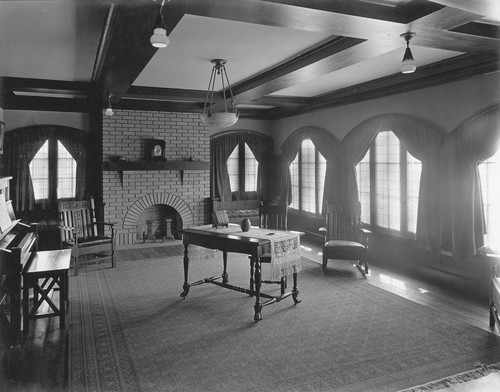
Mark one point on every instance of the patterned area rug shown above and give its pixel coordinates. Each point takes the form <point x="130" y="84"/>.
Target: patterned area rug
<point x="131" y="331"/>
<point x="483" y="378"/>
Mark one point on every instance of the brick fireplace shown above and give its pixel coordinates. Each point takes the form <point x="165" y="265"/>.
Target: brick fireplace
<point x="141" y="195"/>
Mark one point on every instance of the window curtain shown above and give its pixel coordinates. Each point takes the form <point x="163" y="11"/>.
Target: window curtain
<point x="21" y="146"/>
<point x="262" y="150"/>
<point x="472" y="143"/>
<point x="326" y="143"/>
<point x="220" y="150"/>
<point x="424" y="141"/>
<point x="77" y="147"/>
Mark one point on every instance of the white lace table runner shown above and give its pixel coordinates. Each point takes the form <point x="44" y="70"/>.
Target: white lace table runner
<point x="285" y="247"/>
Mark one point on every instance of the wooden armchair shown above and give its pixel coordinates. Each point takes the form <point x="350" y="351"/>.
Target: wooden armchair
<point x="90" y="241"/>
<point x="495" y="295"/>
<point x="344" y="239"/>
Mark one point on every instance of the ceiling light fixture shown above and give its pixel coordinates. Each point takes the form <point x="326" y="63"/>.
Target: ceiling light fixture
<point x="408" y="65"/>
<point x="159" y="38"/>
<point x="109" y="111"/>
<point x="230" y="115"/>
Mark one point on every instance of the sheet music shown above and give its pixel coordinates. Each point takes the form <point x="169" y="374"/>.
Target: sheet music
<point x="5" y="221"/>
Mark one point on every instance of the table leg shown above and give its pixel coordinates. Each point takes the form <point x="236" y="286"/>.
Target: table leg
<point x="258" y="283"/>
<point x="225" y="278"/>
<point x="62" y="301"/>
<point x="185" y="287"/>
<point x="25" y="305"/>
<point x="295" y="290"/>
<point x="252" y="264"/>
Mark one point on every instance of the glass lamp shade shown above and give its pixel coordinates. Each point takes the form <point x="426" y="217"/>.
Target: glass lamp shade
<point x="159" y="38"/>
<point x="219" y="119"/>
<point x="408" y="64"/>
<point x="109" y="112"/>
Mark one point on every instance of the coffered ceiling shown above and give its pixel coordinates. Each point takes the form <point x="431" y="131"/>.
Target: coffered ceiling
<point x="284" y="57"/>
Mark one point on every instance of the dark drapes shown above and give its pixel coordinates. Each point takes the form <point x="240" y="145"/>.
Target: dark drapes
<point x="21" y="146"/>
<point x="471" y="143"/>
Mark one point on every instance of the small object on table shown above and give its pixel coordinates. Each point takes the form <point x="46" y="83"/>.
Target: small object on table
<point x="245" y="224"/>
<point x="220" y="219"/>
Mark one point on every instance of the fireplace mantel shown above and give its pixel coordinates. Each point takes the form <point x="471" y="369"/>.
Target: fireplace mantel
<point x="121" y="166"/>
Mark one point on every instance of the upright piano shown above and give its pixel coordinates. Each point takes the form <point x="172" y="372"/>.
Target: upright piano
<point x="18" y="241"/>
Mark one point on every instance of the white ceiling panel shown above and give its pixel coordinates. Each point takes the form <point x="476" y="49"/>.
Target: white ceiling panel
<point x="248" y="49"/>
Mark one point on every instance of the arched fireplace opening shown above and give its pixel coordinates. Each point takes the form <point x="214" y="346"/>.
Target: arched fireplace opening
<point x="158" y="223"/>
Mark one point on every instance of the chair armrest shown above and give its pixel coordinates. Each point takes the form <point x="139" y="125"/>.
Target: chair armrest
<point x="366" y="234"/>
<point x="324" y="232"/>
<point x="66" y="228"/>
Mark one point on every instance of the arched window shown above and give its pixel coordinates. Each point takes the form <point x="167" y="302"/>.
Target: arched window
<point x="47" y="163"/>
<point x="307" y="176"/>
<point x="53" y="172"/>
<point x="388" y="180"/>
<point x="489" y="175"/>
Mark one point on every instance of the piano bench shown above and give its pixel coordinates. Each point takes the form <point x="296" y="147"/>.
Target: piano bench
<point x="47" y="272"/>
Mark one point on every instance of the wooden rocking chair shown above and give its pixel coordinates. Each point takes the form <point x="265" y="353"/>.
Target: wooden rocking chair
<point x="83" y="235"/>
<point x="344" y="239"/>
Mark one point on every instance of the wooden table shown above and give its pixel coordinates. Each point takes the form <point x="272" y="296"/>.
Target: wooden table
<point x="234" y="240"/>
<point x="47" y="271"/>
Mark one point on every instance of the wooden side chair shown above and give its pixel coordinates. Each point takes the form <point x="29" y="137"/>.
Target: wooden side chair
<point x="90" y="241"/>
<point x="273" y="215"/>
<point x="344" y="239"/>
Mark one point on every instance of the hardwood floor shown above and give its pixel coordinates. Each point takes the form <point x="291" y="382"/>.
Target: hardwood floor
<point x="42" y="363"/>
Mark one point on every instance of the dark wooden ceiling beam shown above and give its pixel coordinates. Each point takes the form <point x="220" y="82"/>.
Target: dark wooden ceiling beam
<point x="400" y="13"/>
<point x="316" y="20"/>
<point x="296" y="18"/>
<point x="129" y="49"/>
<point x="104" y="42"/>
<point x="166" y="94"/>
<point x="169" y="106"/>
<point x="446" y="19"/>
<point x="283" y="101"/>
<point x="24" y="84"/>
<point x="340" y="60"/>
<point x="486" y="8"/>
<point x="49" y="104"/>
<point x="446" y="71"/>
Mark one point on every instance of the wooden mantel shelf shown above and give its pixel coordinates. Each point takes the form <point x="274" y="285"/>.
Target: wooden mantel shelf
<point x="149" y="165"/>
<point x="145" y="165"/>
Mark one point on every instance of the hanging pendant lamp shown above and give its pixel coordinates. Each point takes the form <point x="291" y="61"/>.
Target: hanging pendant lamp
<point x="408" y="65"/>
<point x="230" y="114"/>
<point x="159" y="39"/>
<point x="109" y="110"/>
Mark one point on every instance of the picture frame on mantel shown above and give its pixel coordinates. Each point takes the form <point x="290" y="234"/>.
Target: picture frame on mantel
<point x="2" y="130"/>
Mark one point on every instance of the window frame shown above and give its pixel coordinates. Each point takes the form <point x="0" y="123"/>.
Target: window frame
<point x="53" y="175"/>
<point x="319" y="208"/>
<point x="241" y="194"/>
